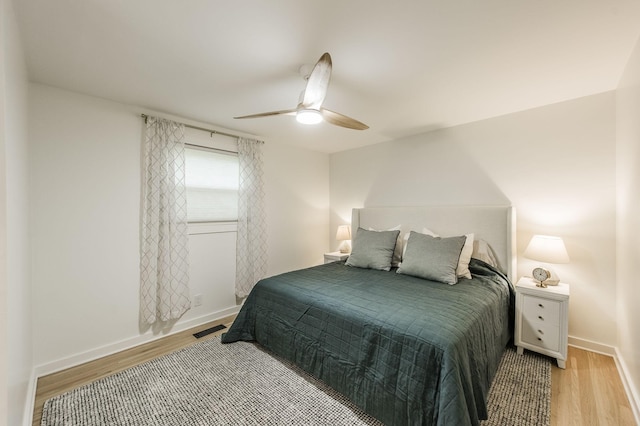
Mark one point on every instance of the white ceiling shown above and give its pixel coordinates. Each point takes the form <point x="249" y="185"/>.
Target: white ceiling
<point x="402" y="67"/>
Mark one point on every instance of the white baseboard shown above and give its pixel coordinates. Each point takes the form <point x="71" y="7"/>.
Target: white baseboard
<point x="90" y="355"/>
<point x="591" y="346"/>
<point x="632" y="392"/>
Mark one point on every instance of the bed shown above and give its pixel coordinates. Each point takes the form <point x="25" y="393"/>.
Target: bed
<point x="405" y="348"/>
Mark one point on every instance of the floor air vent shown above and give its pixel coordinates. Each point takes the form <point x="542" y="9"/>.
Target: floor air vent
<point x="203" y="333"/>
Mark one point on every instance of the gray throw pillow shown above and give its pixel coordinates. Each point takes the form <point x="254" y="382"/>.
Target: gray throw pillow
<point x="432" y="258"/>
<point x="373" y="249"/>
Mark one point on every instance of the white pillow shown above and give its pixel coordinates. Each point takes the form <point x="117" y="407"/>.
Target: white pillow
<point x="482" y="251"/>
<point x="465" y="257"/>
<point x="397" y="251"/>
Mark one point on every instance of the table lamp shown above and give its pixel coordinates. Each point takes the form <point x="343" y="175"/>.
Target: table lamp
<point x="344" y="234"/>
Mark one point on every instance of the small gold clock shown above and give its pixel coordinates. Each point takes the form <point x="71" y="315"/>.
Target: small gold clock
<point x="541" y="275"/>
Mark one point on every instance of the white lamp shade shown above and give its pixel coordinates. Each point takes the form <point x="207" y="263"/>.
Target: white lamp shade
<point x="547" y="249"/>
<point x="343" y="233"/>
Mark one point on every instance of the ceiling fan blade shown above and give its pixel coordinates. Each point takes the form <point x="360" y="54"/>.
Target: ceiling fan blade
<point x="342" y="120"/>
<point x="267" y="114"/>
<point x="317" y="84"/>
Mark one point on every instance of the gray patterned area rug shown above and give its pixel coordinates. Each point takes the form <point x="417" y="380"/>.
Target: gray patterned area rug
<point x="209" y="383"/>
<point x="520" y="394"/>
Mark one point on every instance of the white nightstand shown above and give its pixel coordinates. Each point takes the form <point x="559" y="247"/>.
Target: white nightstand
<point x="542" y="319"/>
<point x="335" y="256"/>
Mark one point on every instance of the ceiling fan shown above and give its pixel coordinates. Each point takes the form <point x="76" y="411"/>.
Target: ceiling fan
<point x="310" y="110"/>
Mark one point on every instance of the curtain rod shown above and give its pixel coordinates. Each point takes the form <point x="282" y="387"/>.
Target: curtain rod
<point x="216" y="132"/>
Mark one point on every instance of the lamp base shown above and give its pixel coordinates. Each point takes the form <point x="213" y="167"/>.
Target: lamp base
<point x="553" y="279"/>
<point x="345" y="247"/>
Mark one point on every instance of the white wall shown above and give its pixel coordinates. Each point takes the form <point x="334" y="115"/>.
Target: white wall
<point x="85" y="161"/>
<point x="555" y="164"/>
<point x="4" y="302"/>
<point x="13" y="97"/>
<point x="297" y="188"/>
<point x="85" y="226"/>
<point x="628" y="230"/>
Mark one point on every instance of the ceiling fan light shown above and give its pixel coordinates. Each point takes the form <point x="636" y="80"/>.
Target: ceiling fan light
<point x="308" y="116"/>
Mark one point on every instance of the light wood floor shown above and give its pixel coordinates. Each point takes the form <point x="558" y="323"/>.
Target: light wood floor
<point x="588" y="393"/>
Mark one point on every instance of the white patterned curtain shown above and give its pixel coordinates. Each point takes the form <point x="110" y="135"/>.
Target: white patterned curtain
<point x="251" y="247"/>
<point x="164" y="268"/>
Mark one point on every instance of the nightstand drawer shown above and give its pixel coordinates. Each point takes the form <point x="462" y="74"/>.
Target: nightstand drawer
<point x="542" y="335"/>
<point x="541" y="310"/>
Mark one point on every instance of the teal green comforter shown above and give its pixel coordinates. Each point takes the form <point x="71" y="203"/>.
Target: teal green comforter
<point x="406" y="350"/>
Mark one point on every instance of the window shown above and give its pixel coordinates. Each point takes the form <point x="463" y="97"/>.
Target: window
<point x="212" y="185"/>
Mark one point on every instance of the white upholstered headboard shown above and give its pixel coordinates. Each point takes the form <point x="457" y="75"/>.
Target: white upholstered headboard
<point x="494" y="224"/>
